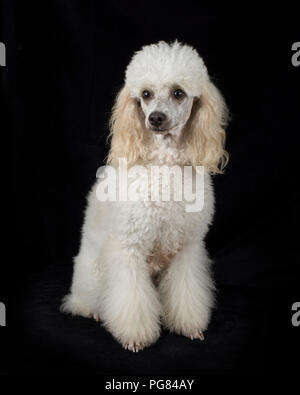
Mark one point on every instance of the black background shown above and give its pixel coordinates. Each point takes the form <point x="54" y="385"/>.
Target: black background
<point x="65" y="63"/>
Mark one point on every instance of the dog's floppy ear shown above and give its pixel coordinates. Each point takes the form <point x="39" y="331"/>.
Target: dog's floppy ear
<point x="126" y="130"/>
<point x="205" y="134"/>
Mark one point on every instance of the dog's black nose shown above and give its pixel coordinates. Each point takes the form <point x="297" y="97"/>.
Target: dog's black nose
<point x="157" y="118"/>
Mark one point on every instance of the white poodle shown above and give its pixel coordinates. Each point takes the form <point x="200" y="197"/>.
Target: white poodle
<point x="143" y="263"/>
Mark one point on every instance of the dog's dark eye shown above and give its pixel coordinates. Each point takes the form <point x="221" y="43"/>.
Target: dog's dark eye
<point x="178" y="94"/>
<point x="146" y="94"/>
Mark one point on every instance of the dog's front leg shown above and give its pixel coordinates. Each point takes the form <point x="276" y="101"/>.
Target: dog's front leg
<point x="187" y="292"/>
<point x="130" y="306"/>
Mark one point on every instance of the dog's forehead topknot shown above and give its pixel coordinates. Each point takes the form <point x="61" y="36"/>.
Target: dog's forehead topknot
<point x="163" y="63"/>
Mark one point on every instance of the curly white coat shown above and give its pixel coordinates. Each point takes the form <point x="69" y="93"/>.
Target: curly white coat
<point x="142" y="264"/>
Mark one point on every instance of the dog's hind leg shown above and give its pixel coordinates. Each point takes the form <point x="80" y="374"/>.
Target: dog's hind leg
<point x="86" y="288"/>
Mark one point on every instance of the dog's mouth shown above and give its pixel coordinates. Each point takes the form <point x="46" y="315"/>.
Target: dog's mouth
<point x="159" y="130"/>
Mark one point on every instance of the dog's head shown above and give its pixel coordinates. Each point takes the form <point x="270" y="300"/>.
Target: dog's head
<point x="168" y="92"/>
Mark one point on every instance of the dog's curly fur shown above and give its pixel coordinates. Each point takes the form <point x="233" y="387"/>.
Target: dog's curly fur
<point x="143" y="264"/>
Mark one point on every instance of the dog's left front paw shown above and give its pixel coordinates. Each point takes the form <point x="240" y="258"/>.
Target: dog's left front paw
<point x="197" y="334"/>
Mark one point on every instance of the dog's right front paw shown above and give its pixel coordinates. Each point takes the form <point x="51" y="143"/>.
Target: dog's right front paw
<point x="139" y="338"/>
<point x="134" y="347"/>
<point x="138" y="343"/>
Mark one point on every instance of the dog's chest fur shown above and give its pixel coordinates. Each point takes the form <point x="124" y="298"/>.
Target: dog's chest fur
<point x="159" y="227"/>
<point x="154" y="226"/>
